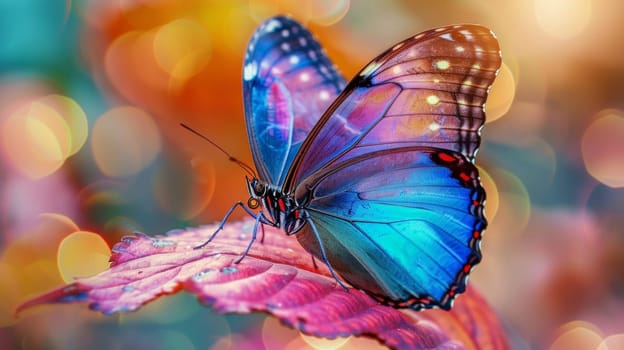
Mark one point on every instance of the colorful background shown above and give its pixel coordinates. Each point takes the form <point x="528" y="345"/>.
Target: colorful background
<point x="92" y="92"/>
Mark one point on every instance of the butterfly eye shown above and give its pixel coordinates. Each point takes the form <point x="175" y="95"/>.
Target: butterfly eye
<point x="259" y="189"/>
<point x="253" y="203"/>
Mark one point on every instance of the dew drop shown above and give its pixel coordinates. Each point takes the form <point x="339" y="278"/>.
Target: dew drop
<point x="229" y="269"/>
<point x="202" y="274"/>
<point x="161" y="243"/>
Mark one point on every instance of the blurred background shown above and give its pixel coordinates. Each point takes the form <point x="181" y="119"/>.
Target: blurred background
<point x="92" y="92"/>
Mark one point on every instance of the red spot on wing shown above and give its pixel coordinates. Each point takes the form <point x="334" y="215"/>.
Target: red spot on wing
<point x="476" y="234"/>
<point x="445" y="157"/>
<point x="464" y="177"/>
<point x="281" y="205"/>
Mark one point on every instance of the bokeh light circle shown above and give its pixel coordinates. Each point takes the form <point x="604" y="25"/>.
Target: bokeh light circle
<point x="73" y="115"/>
<point x="39" y="135"/>
<point x="323" y="343"/>
<point x="491" y="193"/>
<point x="601" y="147"/>
<point x="275" y="335"/>
<point x="514" y="205"/>
<point x="577" y="338"/>
<point x="612" y="342"/>
<point x="323" y="12"/>
<point x="501" y="95"/>
<point x="563" y="18"/>
<point x="82" y="254"/>
<point x="182" y="48"/>
<point x="124" y="141"/>
<point x="326" y="12"/>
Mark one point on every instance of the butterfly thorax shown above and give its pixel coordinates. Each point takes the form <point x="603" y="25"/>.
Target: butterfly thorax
<point x="282" y="210"/>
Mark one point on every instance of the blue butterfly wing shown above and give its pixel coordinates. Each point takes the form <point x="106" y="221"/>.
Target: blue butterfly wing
<point x="387" y="174"/>
<point x="288" y="83"/>
<point x="403" y="224"/>
<point x="428" y="90"/>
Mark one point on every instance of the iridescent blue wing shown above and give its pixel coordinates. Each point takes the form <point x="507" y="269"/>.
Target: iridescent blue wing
<point x="404" y="224"/>
<point x="288" y="83"/>
<point x="428" y="90"/>
<point x="387" y="175"/>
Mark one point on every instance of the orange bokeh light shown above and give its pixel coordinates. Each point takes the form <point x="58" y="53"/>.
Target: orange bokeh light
<point x="602" y="146"/>
<point x="124" y="141"/>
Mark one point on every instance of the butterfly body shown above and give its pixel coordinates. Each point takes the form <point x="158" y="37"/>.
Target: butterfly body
<point x="375" y="177"/>
<point x="282" y="209"/>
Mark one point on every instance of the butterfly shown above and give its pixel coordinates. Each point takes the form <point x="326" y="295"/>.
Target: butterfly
<point x="374" y="177"/>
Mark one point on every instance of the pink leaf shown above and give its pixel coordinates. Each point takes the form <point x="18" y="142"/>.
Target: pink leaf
<point x="277" y="277"/>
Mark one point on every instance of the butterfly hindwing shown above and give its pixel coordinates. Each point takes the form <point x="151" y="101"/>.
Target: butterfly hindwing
<point x="403" y="224"/>
<point x="288" y="83"/>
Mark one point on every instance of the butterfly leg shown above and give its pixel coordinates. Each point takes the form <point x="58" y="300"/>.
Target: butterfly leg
<point x="324" y="255"/>
<point x="259" y="221"/>
<point x="225" y="218"/>
<point x="262" y="228"/>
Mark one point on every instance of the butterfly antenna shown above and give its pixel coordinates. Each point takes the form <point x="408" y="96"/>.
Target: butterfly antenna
<point x="240" y="163"/>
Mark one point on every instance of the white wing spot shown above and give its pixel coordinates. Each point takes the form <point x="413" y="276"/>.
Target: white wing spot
<point x="433" y="99"/>
<point x="285" y="46"/>
<point x="370" y="68"/>
<point x="285" y="33"/>
<point x="304" y="77"/>
<point x="434" y="126"/>
<point x="467" y="82"/>
<point x="476" y="66"/>
<point x="396" y="70"/>
<point x="398" y="46"/>
<point x="324" y="95"/>
<point x="294" y="59"/>
<point x="440" y="29"/>
<point x="276" y="71"/>
<point x="467" y="35"/>
<point x="460" y="49"/>
<point x="250" y="71"/>
<point x="442" y="64"/>
<point x="312" y="55"/>
<point x="303" y="41"/>
<point x="436" y="80"/>
<point x="447" y="36"/>
<point x="272" y="25"/>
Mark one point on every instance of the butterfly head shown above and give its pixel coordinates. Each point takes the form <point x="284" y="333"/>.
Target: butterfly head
<point x="257" y="191"/>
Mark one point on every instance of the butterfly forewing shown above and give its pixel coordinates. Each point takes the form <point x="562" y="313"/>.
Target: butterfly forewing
<point x="428" y="90"/>
<point x="288" y="83"/>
